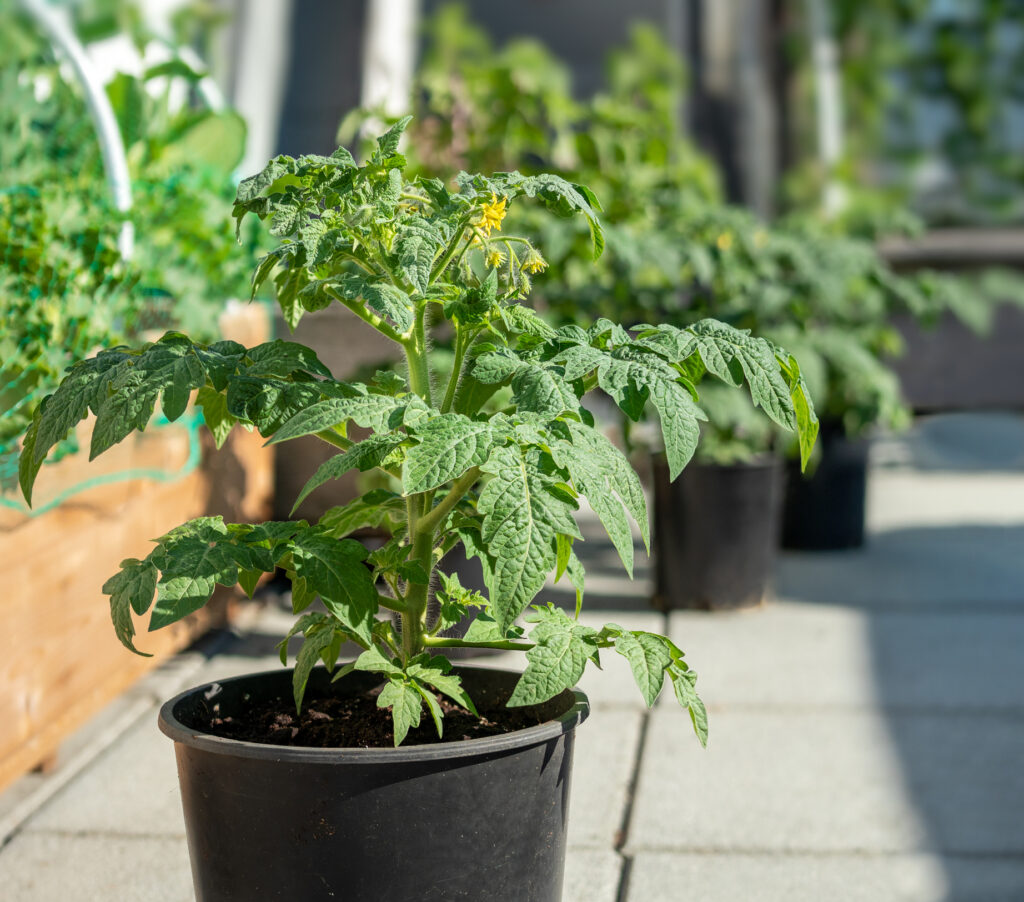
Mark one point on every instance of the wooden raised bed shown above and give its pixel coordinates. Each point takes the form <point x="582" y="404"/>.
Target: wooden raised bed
<point x="59" y="659"/>
<point x="949" y="367"/>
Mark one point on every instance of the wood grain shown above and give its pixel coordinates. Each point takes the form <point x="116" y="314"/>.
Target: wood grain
<point x="59" y="659"/>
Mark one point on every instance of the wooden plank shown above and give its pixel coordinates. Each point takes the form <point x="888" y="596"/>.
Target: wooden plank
<point x="59" y="659"/>
<point x="956" y="249"/>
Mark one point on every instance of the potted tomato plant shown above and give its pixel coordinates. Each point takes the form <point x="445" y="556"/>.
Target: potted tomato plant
<point x="330" y="780"/>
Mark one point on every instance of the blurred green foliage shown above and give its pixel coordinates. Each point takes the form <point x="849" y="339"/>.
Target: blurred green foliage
<point x="676" y="252"/>
<point x="65" y="290"/>
<point x="923" y="83"/>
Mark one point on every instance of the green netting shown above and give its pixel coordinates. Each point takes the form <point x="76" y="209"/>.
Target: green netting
<point x="191" y="422"/>
<point x="65" y="288"/>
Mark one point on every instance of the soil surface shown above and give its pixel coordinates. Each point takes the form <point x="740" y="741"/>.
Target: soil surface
<point x="355" y="721"/>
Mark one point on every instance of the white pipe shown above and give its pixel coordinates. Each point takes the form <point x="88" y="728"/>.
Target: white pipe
<point x="115" y="163"/>
<point x="261" y="74"/>
<point x="389" y="54"/>
<point x="828" y="97"/>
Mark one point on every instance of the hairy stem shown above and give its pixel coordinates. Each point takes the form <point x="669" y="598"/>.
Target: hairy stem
<point x="433" y="518"/>
<point x="414" y="616"/>
<point x="367" y="316"/>
<point x="461" y="343"/>
<point x="449" y="252"/>
<point x="504" y="644"/>
<point x="416" y="357"/>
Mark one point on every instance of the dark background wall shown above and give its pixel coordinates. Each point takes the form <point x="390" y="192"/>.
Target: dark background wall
<point x="324" y="73"/>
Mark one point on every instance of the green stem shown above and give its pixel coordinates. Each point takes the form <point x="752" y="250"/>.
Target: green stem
<point x="378" y="323"/>
<point x="461" y="344"/>
<point x="504" y="644"/>
<point x="414" y="616"/>
<point x="416" y="357"/>
<point x="392" y="604"/>
<point x="332" y="438"/>
<point x="449" y="252"/>
<point x="431" y="520"/>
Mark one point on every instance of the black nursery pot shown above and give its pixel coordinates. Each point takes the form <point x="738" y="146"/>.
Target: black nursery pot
<point x="480" y="819"/>
<point x="824" y="510"/>
<point x="715" y="533"/>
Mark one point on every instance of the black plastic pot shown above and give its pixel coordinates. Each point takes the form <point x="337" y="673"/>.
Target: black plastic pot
<point x="715" y="534"/>
<point x="824" y="510"/>
<point x="481" y="819"/>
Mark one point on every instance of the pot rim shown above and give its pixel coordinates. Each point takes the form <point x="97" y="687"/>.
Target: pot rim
<point x="173" y="728"/>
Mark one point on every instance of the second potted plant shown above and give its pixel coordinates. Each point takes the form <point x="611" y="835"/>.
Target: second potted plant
<point x="330" y="780"/>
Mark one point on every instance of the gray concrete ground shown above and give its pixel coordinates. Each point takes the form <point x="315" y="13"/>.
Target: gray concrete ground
<point x="867" y="727"/>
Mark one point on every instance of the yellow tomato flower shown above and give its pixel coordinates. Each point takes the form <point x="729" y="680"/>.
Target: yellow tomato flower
<point x="492" y="214"/>
<point x="724" y="241"/>
<point x="534" y="262"/>
<point x="495" y="258"/>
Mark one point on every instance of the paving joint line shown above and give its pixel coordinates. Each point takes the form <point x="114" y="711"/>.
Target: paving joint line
<point x="622" y="834"/>
<point x="822" y="854"/>
<point x="18" y="817"/>
<point x="106" y="834"/>
<point x="625" y="875"/>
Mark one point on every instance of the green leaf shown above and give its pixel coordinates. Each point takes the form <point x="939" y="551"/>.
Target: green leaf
<point x="448" y="446"/>
<point x="284" y="358"/>
<point x="417" y="243"/>
<point x="373" y="661"/>
<point x="543" y="390"/>
<point x="521" y="517"/>
<point x="383" y="297"/>
<point x="249" y="580"/>
<point x="558" y="659"/>
<point x="192" y="561"/>
<point x="387" y="144"/>
<point x="268" y="403"/>
<point x="28" y="463"/>
<point x="435" y="670"/>
<point x="363" y="456"/>
<point x="368" y="411"/>
<point x="680" y="419"/>
<point x="215" y="413"/>
<point x="684" y="686"/>
<point x="561" y="197"/>
<point x="604" y="476"/>
<point x="376" y="508"/>
<point x="315" y="643"/>
<point x="307" y="622"/>
<point x="131" y="589"/>
<point x="433" y="706"/>
<point x="719" y="344"/>
<point x="577" y="578"/>
<point x="648" y="657"/>
<point x="485" y="628"/>
<point x="806" y="418"/>
<point x="406" y="705"/>
<point x="334" y="570"/>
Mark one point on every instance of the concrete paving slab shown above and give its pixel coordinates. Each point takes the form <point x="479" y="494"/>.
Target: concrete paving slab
<point x="961" y="441"/>
<point x="131" y="789"/>
<point x="660" y="877"/>
<point x="964" y="776"/>
<point x="963" y="567"/>
<point x="606" y="752"/>
<point x="831" y="781"/>
<point x="591" y="876"/>
<point x="818" y="655"/>
<point x="45" y="867"/>
<point x="773" y="781"/>
<point x="900" y="498"/>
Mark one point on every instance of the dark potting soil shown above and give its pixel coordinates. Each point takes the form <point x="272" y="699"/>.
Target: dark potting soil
<point x="355" y="721"/>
